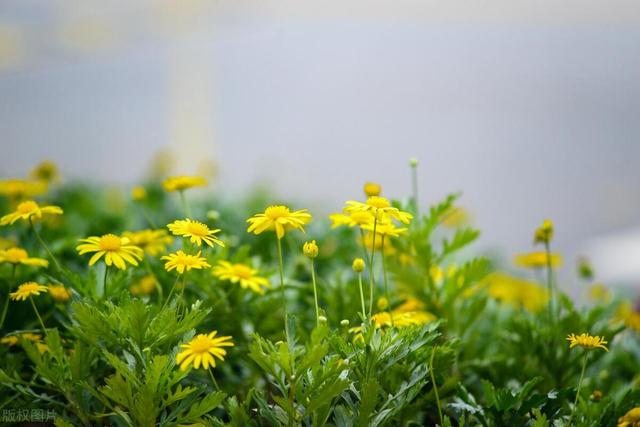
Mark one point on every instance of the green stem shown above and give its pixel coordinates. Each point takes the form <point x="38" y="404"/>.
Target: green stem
<point x="284" y="296"/>
<point x="147" y="217"/>
<point x="185" y="205"/>
<point x="373" y="253"/>
<point x="213" y="380"/>
<point x="550" y="285"/>
<point x="173" y="288"/>
<point x="33" y="304"/>
<point x="435" y="386"/>
<point x="104" y="281"/>
<point x="364" y="312"/>
<point x="315" y="292"/>
<point x="384" y="276"/>
<point x="44" y="245"/>
<point x="414" y="186"/>
<point x="6" y="301"/>
<point x="575" y="402"/>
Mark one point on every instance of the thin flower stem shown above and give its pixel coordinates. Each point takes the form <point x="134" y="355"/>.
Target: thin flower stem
<point x="315" y="292"/>
<point x="575" y="402"/>
<point x="435" y="386"/>
<point x="364" y="312"/>
<point x="213" y="380"/>
<point x="185" y="204"/>
<point x="6" y="301"/>
<point x="104" y="281"/>
<point x="414" y="186"/>
<point x="384" y="276"/>
<point x="44" y="245"/>
<point x="147" y="217"/>
<point x="550" y="285"/>
<point x="173" y="288"/>
<point x="373" y="253"/>
<point x="33" y="304"/>
<point x="284" y="296"/>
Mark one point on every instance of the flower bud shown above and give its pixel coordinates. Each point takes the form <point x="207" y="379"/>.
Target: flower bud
<point x="544" y="233"/>
<point x="322" y="319"/>
<point x="413" y="162"/>
<point x="372" y="189"/>
<point x="310" y="249"/>
<point x="358" y="265"/>
<point x="344" y="322"/>
<point x="382" y="303"/>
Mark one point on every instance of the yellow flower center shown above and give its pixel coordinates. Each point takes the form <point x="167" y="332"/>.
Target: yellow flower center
<point x="242" y="271"/>
<point x="198" y="229"/>
<point x="15" y="255"/>
<point x="378" y="202"/>
<point x="110" y="242"/>
<point x="27" y="207"/>
<point x="275" y="212"/>
<point x="200" y="344"/>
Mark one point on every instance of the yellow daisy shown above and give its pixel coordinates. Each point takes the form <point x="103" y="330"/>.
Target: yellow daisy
<point x="241" y="273"/>
<point x="630" y="419"/>
<point x="27" y="290"/>
<point x="202" y="351"/>
<point x="537" y="260"/>
<point x="12" y="340"/>
<point x="59" y="293"/>
<point x="182" y="262"/>
<point x="196" y="231"/>
<point x="359" y="218"/>
<point x="179" y="183"/>
<point x="378" y="205"/>
<point x="115" y="249"/>
<point x="29" y="210"/>
<point x="587" y="341"/>
<point x="280" y="219"/>
<point x="371" y="189"/>
<point x="20" y="189"/>
<point x="46" y="171"/>
<point x="385" y="229"/>
<point x="17" y="256"/>
<point x="153" y="242"/>
<point x="515" y="291"/>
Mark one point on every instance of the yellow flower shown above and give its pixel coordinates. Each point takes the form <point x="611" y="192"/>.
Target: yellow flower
<point x="359" y="218"/>
<point x="17" y="256"/>
<point x="310" y="249"/>
<point x="46" y="171"/>
<point x="537" y="260"/>
<point x="388" y="247"/>
<point x="358" y="265"/>
<point x="455" y="217"/>
<point x="27" y="290"/>
<point x="630" y="419"/>
<point x="241" y="273"/>
<point x="153" y="242"/>
<point x="179" y="183"/>
<point x="628" y="315"/>
<point x="372" y="189"/>
<point x="599" y="292"/>
<point x="12" y="340"/>
<point x="116" y="250"/>
<point x="21" y="189"/>
<point x="145" y="286"/>
<point x="280" y="219"/>
<point x="378" y="205"/>
<point x="29" y="210"/>
<point x="182" y="262"/>
<point x="544" y="233"/>
<point x="138" y="193"/>
<point x="382" y="303"/>
<point x="59" y="293"/>
<point x="515" y="291"/>
<point x="587" y="341"/>
<point x="196" y="231"/>
<point x="202" y="351"/>
<point x="385" y="229"/>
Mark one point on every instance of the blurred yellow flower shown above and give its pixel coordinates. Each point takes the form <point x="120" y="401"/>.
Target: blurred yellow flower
<point x="627" y="314"/>
<point x="59" y="293"/>
<point x="138" y="193"/>
<point x="145" y="286"/>
<point x="12" y="340"/>
<point x="241" y="273"/>
<point x="202" y="351"/>
<point x="516" y="291"/>
<point x="115" y="249"/>
<point x="196" y="231"/>
<point x="455" y="217"/>
<point x="310" y="249"/>
<point x="46" y="171"/>
<point x="537" y="260"/>
<point x="19" y="189"/>
<point x="630" y="419"/>
<point x="182" y="262"/>
<point x="17" y="256"/>
<point x="280" y="219"/>
<point x="586" y="341"/>
<point x="153" y="242"/>
<point x="28" y="211"/>
<point x="385" y="229"/>
<point x="359" y="218"/>
<point x="179" y="183"/>
<point x="378" y="205"/>
<point x="599" y="293"/>
<point x="372" y="189"/>
<point x="27" y="290"/>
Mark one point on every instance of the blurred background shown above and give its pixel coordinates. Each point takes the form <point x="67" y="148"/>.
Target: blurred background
<point x="532" y="109"/>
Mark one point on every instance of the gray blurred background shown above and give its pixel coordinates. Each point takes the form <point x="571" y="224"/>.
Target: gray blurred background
<point x="532" y="109"/>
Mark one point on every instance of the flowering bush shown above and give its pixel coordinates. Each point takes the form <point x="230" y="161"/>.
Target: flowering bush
<point x="163" y="310"/>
